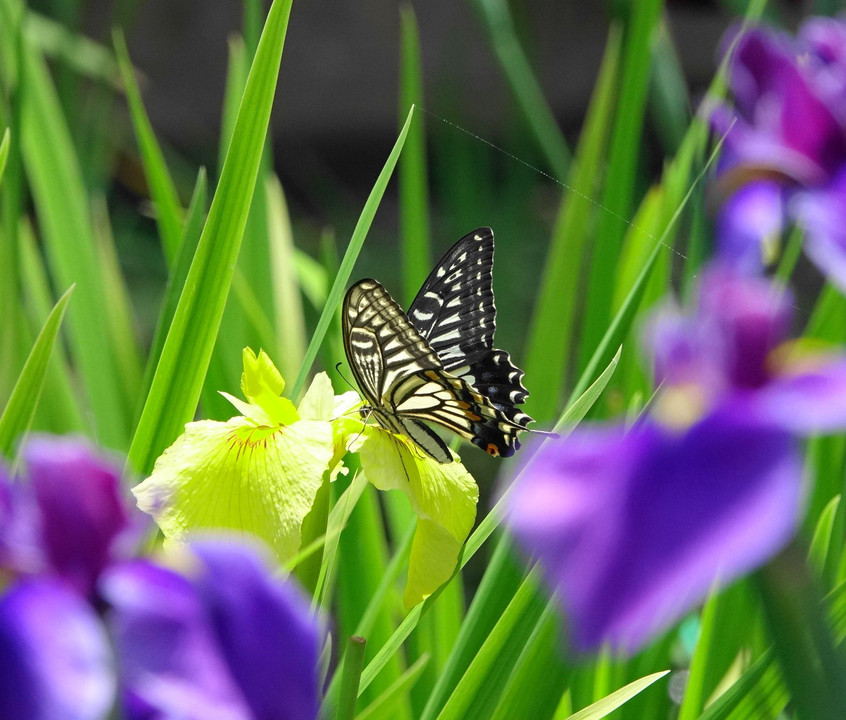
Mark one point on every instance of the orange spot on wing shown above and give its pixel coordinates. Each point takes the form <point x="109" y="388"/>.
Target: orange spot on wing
<point x="492" y="450"/>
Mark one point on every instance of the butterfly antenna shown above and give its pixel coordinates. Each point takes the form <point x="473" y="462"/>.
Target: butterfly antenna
<point x="343" y="377"/>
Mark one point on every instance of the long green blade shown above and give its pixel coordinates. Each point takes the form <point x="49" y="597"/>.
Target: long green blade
<point x="413" y="176"/>
<point x="552" y="322"/>
<point x="61" y="203"/>
<point x="162" y="187"/>
<point x="604" y="707"/>
<point x="19" y="411"/>
<point x="179" y="376"/>
<point x="350" y="256"/>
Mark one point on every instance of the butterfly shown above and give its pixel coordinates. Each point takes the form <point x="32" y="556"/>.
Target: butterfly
<point x="437" y="363"/>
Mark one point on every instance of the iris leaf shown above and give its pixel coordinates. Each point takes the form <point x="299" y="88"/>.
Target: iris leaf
<point x="179" y="377"/>
<point x="20" y="409"/>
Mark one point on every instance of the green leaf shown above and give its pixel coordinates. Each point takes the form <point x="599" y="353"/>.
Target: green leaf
<point x="413" y="181"/>
<point x="500" y="582"/>
<point x="20" y="409"/>
<point x="117" y="312"/>
<point x="287" y="297"/>
<point x="804" y="644"/>
<point x="604" y="707"/>
<point x="618" y="196"/>
<point x="499" y="25"/>
<point x="478" y="690"/>
<point x="191" y="232"/>
<point x="580" y="407"/>
<point x="350" y="256"/>
<point x="759" y="694"/>
<point x="541" y="657"/>
<point x="84" y="56"/>
<point x="162" y="188"/>
<point x="4" y="151"/>
<point x="821" y="541"/>
<point x="184" y="360"/>
<point x="61" y="203"/>
<point x="63" y="414"/>
<point x="350" y="676"/>
<point x="386" y="703"/>
<point x="552" y="323"/>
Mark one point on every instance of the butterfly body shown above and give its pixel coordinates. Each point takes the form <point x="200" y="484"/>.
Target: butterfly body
<point x="437" y="364"/>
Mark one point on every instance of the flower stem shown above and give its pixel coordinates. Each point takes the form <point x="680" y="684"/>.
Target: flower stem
<point x="350" y="677"/>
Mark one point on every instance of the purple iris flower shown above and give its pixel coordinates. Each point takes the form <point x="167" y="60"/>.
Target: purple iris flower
<point x="784" y="159"/>
<point x="221" y="638"/>
<point x="59" y="528"/>
<point x="633" y="527"/>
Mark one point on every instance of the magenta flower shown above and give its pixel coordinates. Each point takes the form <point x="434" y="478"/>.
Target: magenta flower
<point x="785" y="157"/>
<point x="633" y="528"/>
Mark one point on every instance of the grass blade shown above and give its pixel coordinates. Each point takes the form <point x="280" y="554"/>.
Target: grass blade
<point x="185" y="356"/>
<point x="478" y="691"/>
<point x="350" y="256"/>
<point x="413" y="181"/>
<point x="162" y="188"/>
<point x="19" y="411"/>
<point x="5" y="144"/>
<point x="552" y="324"/>
<point x="604" y="707"/>
<point x="622" y="165"/>
<point x="385" y="704"/>
<point x="499" y="25"/>
<point x="287" y="296"/>
<point x="61" y="202"/>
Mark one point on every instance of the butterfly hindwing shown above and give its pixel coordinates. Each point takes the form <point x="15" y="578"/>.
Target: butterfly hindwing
<point x="404" y="380"/>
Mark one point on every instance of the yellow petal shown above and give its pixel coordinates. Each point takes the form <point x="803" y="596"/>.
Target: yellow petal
<point x="234" y="475"/>
<point x="444" y="496"/>
<point x="262" y="385"/>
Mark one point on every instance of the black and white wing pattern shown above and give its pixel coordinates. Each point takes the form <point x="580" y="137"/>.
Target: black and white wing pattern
<point x="455" y="312"/>
<point x="405" y="382"/>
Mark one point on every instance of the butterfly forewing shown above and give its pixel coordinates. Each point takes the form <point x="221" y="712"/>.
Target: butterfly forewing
<point x="454" y="310"/>
<point x="380" y="343"/>
<point x="455" y="313"/>
<point x="404" y="380"/>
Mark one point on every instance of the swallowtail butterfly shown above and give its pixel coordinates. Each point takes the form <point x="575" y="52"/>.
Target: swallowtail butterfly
<point x="438" y="363"/>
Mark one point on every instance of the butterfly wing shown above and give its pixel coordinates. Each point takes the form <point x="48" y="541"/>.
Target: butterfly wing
<point x="455" y="312"/>
<point x="454" y="309"/>
<point x="404" y="381"/>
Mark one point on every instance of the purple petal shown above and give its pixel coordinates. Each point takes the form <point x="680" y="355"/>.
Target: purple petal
<point x="747" y="221"/>
<point x="267" y="631"/>
<point x="632" y="531"/>
<point x="810" y="400"/>
<point x="684" y="351"/>
<point x="822" y="214"/>
<point x="54" y="655"/>
<point x="747" y="318"/>
<point x="825" y="62"/>
<point x="82" y="511"/>
<point x="171" y="664"/>
<point x="775" y="97"/>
